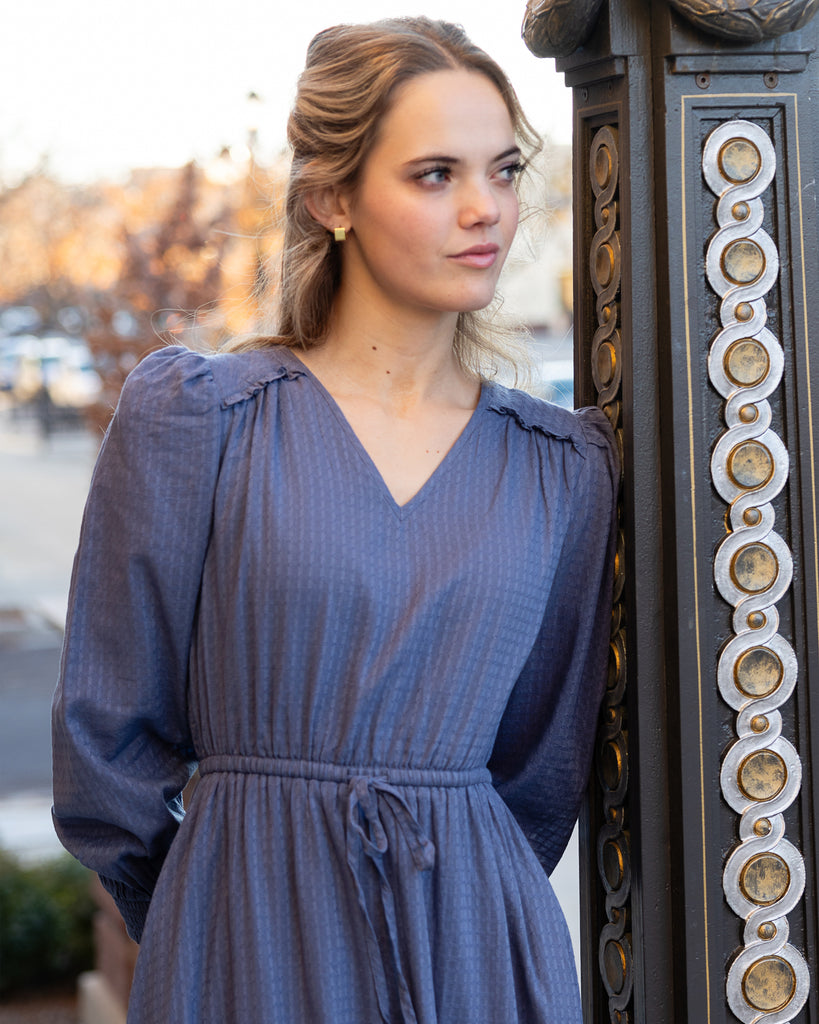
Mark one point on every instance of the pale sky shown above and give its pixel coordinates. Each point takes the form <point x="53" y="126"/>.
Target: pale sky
<point x="104" y="85"/>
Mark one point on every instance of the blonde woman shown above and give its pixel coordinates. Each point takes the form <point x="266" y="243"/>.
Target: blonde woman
<point x="365" y="589"/>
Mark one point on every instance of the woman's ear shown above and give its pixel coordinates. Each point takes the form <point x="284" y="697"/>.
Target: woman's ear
<point x="329" y="207"/>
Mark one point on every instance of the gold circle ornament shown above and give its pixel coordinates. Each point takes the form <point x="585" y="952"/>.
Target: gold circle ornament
<point x="762" y="775"/>
<point x="747" y="362"/>
<point x="743" y="262"/>
<point x="613" y="865"/>
<point x="758" y="672"/>
<point x="750" y="464"/>
<point x="754" y="568"/>
<point x="606" y="363"/>
<point x="765" y="879"/>
<point x="769" y="984"/>
<point x="739" y="160"/>
<point x="602" y="166"/>
<point x="615" y="963"/>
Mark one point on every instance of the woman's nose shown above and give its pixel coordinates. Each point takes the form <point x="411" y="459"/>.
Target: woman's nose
<point x="479" y="205"/>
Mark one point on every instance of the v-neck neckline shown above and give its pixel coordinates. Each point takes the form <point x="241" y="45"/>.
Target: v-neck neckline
<point x="401" y="511"/>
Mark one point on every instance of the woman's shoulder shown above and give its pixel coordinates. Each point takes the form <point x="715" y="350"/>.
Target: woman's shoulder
<point x="578" y="427"/>
<point x="182" y="381"/>
<point x="578" y="446"/>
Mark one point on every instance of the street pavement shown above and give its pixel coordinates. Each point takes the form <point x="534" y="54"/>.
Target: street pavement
<point x="43" y="483"/>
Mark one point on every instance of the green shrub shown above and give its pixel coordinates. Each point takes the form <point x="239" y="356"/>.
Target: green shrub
<point x="46" y="934"/>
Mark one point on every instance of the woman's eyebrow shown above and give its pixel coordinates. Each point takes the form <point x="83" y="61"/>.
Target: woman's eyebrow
<point x="513" y="151"/>
<point x="441" y="158"/>
<point x="438" y="158"/>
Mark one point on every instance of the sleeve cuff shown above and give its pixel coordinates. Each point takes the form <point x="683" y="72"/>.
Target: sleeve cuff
<point x="131" y="903"/>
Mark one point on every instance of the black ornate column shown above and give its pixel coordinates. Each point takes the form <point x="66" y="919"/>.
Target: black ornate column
<point x="696" y="278"/>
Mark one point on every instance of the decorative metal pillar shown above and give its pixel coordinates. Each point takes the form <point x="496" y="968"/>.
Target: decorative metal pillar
<point x="696" y="270"/>
<point x="764" y="877"/>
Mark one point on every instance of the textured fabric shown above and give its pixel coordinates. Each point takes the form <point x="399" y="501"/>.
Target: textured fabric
<point x="393" y="707"/>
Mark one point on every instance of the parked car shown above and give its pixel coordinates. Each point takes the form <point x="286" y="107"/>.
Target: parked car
<point x="72" y="381"/>
<point x="13" y="351"/>
<point x="59" y="365"/>
<point x="19" y="320"/>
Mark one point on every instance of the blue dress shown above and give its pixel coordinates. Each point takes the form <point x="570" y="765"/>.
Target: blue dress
<point x="392" y="707"/>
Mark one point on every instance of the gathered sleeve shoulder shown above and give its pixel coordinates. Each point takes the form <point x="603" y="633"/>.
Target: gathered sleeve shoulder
<point x="121" y="744"/>
<point x="542" y="753"/>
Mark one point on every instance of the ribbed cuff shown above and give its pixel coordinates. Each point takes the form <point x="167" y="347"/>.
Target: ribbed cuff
<point x="131" y="903"/>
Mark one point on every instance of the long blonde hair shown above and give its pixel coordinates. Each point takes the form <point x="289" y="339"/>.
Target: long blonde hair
<point x="350" y="77"/>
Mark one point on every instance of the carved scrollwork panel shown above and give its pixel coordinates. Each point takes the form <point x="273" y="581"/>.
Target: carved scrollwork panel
<point x="747" y="20"/>
<point x="615" y="958"/>
<point x="764" y="876"/>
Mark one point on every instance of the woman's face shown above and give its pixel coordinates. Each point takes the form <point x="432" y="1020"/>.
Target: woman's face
<point x="435" y="211"/>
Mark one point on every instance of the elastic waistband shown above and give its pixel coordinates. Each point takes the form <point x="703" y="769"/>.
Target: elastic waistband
<point x="323" y="771"/>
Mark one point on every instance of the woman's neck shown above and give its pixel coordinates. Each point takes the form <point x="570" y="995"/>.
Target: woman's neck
<point x="395" y="363"/>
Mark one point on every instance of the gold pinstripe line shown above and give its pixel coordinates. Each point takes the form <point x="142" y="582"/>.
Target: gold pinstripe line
<point x="807" y="350"/>
<point x="692" y="468"/>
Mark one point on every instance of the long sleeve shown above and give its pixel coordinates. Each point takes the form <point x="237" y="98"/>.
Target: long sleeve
<point x="542" y="753"/>
<point x="121" y="744"/>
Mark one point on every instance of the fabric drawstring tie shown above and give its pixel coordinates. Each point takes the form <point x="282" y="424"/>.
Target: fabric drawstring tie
<point x="363" y="804"/>
<point x="369" y="790"/>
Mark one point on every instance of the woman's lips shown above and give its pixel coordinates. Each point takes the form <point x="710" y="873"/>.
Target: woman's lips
<point x="480" y="256"/>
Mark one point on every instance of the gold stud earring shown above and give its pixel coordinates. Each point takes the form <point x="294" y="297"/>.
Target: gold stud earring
<point x="340" y="235"/>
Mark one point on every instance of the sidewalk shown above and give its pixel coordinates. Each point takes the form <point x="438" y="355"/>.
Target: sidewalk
<point x="45" y="1009"/>
<point x="44" y="484"/>
<point x="43" y="494"/>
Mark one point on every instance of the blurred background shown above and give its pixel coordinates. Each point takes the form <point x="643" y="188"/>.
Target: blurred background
<point x="142" y="167"/>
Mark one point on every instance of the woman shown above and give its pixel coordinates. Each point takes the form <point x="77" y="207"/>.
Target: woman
<point x="364" y="589"/>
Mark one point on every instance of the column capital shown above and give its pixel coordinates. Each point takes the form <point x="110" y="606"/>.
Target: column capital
<point x="557" y="28"/>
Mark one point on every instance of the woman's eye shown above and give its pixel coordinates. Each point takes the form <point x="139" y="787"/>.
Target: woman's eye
<point x="435" y="175"/>
<point x="511" y="172"/>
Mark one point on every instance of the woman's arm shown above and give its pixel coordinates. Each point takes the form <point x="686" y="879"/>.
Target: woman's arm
<point x="542" y="753"/>
<point x="121" y="743"/>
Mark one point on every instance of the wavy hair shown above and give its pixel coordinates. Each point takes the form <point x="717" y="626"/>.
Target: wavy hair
<point x="349" y="80"/>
